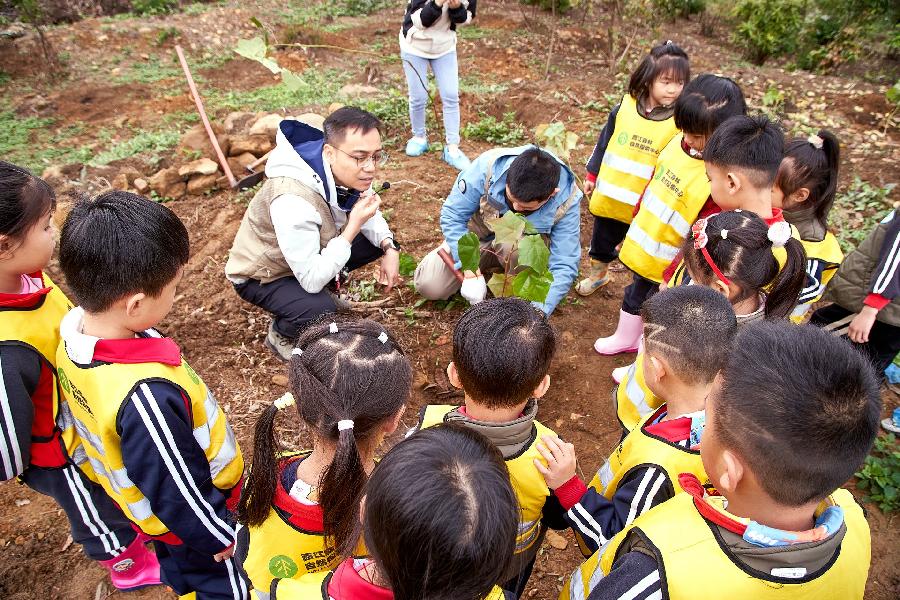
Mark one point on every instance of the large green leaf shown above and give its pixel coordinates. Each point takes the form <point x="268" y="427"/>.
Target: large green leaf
<point x="469" y="249"/>
<point x="529" y="285"/>
<point x="497" y="284"/>
<point x="407" y="265"/>
<point x="291" y="81"/>
<point x="508" y="228"/>
<point x="533" y="253"/>
<point x="256" y="49"/>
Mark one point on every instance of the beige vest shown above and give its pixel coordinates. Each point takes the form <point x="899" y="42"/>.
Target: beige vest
<point x="255" y="253"/>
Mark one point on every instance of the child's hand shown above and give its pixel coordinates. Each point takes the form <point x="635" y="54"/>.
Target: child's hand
<point x="861" y="325"/>
<point x="224" y="554"/>
<point x="560" y="457"/>
<point x="589" y="187"/>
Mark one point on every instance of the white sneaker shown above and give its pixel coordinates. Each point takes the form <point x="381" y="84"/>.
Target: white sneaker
<point x="280" y="345"/>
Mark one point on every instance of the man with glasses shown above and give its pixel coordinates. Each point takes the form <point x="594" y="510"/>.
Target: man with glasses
<point x="526" y="180"/>
<point x="314" y="219"/>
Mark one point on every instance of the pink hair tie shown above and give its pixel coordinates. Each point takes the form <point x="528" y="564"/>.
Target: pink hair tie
<point x="698" y="232"/>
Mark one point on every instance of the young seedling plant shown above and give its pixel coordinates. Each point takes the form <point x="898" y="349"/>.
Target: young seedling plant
<point x="529" y="277"/>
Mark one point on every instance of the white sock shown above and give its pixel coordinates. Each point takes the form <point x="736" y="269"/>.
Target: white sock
<point x="452" y="149"/>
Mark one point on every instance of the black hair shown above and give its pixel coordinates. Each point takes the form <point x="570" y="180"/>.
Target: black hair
<point x="24" y="199"/>
<point x="691" y="327"/>
<point x="664" y="58"/>
<point x="754" y="145"/>
<point x="350" y="118"/>
<point x="746" y="258"/>
<point x="118" y="244"/>
<point x="707" y="102"/>
<point x="800" y="406"/>
<point x="816" y="169"/>
<point x="358" y="373"/>
<point x="533" y="175"/>
<point x="441" y="516"/>
<point x="502" y="349"/>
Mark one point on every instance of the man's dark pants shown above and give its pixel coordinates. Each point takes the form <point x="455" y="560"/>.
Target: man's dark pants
<point x="291" y="306"/>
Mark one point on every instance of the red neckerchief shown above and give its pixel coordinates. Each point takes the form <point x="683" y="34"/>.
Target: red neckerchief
<point x="690" y="484"/>
<point x="777" y="217"/>
<point x="26" y="300"/>
<point x="347" y="583"/>
<point x="674" y="430"/>
<point x="307" y="517"/>
<point x="133" y="351"/>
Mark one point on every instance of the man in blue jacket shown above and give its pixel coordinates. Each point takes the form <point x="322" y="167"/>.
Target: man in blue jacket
<point x="527" y="180"/>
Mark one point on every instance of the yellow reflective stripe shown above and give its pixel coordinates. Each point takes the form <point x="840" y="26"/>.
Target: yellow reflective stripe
<point x="645" y="241"/>
<point x="635" y="393"/>
<point x="617" y="193"/>
<point x="666" y="214"/>
<point x="226" y="454"/>
<point x="627" y="166"/>
<point x="530" y="530"/>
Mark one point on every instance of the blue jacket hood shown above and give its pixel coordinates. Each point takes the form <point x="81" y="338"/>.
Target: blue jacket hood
<point x="307" y="142"/>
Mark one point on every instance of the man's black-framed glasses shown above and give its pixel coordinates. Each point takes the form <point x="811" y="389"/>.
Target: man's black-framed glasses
<point x="378" y="158"/>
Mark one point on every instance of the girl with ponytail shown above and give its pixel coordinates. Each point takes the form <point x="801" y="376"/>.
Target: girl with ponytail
<point x="350" y="381"/>
<point x="805" y="189"/>
<point x="737" y="253"/>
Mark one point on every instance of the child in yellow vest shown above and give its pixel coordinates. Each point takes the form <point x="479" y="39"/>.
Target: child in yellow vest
<point x="732" y="253"/>
<point x="622" y="162"/>
<point x="154" y="435"/>
<point x="439" y="520"/>
<point x="672" y="201"/>
<point x="38" y="443"/>
<point x="780" y="438"/>
<point x="502" y="350"/>
<point x="688" y="332"/>
<point x="300" y="510"/>
<point x="804" y="189"/>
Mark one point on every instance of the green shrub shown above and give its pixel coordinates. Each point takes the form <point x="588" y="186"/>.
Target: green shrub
<point x="768" y="27"/>
<point x="561" y="6"/>
<point x="678" y="8"/>
<point x="503" y="133"/>
<point x="153" y="7"/>
<point x="880" y="475"/>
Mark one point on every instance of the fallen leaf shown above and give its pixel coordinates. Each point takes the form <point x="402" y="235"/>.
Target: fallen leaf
<point x="66" y="544"/>
<point x="280" y="380"/>
<point x="23" y="502"/>
<point x="556" y="540"/>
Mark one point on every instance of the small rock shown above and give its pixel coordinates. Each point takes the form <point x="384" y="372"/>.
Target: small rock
<point x="313" y="119"/>
<point x="120" y="182"/>
<point x="20" y="540"/>
<point x="238" y="121"/>
<point x="257" y="145"/>
<point x="556" y="540"/>
<point x="62" y="211"/>
<point x="168" y="183"/>
<point x="280" y="380"/>
<point x="244" y="160"/>
<point x="268" y="125"/>
<point x="141" y="185"/>
<point x="196" y="139"/>
<point x="356" y="89"/>
<point x="176" y="191"/>
<point x="334" y="106"/>
<point x="23" y="502"/>
<point x="203" y="166"/>
<point x="40" y="535"/>
<point x="201" y="183"/>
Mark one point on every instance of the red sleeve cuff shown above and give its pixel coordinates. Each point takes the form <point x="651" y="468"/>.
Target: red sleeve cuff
<point x="234" y="496"/>
<point x="569" y="494"/>
<point x="592" y="177"/>
<point x="876" y="301"/>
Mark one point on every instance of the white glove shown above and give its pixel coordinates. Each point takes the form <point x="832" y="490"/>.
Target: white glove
<point x="473" y="289"/>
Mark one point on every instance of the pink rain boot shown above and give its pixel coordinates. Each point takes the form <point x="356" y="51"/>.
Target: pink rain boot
<point x="619" y="374"/>
<point x="135" y="568"/>
<point x="625" y="339"/>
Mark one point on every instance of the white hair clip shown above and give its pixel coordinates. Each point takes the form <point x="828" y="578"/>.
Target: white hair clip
<point x="724" y="234"/>
<point x="383" y="337"/>
<point x="332" y="328"/>
<point x="297" y="352"/>
<point x="286" y="400"/>
<point x="816" y="141"/>
<point x="345" y="424"/>
<point x="779" y="234"/>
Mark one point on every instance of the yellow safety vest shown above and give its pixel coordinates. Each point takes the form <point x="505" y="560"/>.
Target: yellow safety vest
<point x="37" y="327"/>
<point x="285" y="546"/>
<point x="628" y="161"/>
<point x="529" y="485"/>
<point x="683" y="541"/>
<point x="824" y="256"/>
<point x="95" y="394"/>
<point x="640" y="449"/>
<point x="315" y="586"/>
<point x="669" y="207"/>
<point x="634" y="399"/>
